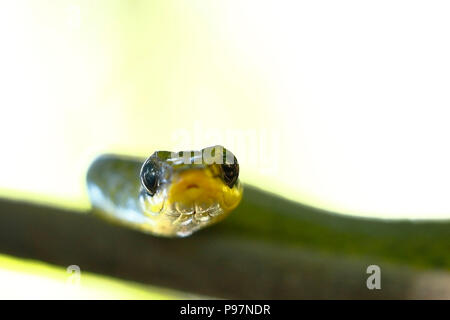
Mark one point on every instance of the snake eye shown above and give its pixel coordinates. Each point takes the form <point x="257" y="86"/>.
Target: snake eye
<point x="230" y="173"/>
<point x="149" y="178"/>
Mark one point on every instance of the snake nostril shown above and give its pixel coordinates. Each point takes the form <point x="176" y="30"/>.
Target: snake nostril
<point x="193" y="185"/>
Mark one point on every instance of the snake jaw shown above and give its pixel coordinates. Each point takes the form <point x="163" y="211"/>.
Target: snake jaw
<point x="184" y="208"/>
<point x="196" y="192"/>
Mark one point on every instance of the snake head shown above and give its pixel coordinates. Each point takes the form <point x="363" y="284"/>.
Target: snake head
<point x="190" y="189"/>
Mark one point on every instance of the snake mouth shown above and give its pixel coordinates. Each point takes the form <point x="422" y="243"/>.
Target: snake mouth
<point x="201" y="192"/>
<point x="195" y="192"/>
<point x="194" y="185"/>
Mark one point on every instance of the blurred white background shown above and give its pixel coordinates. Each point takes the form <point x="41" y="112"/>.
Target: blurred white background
<point x="349" y="100"/>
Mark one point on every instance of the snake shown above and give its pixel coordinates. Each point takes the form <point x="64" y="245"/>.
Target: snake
<point x="174" y="194"/>
<point x="169" y="194"/>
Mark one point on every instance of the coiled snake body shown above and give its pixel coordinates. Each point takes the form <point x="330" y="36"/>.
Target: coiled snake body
<point x="170" y="194"/>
